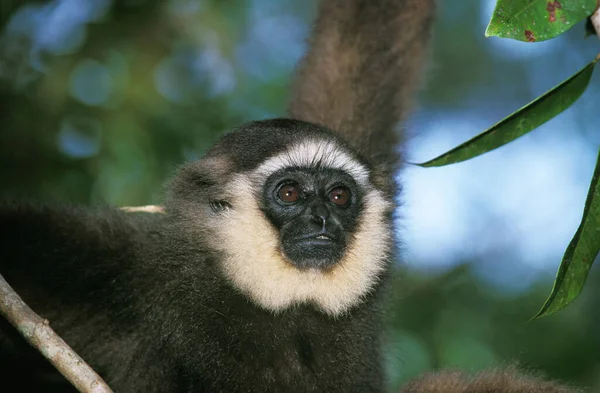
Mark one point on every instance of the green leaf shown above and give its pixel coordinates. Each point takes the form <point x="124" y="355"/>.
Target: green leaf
<point x="537" y="20"/>
<point x="520" y="122"/>
<point x="580" y="254"/>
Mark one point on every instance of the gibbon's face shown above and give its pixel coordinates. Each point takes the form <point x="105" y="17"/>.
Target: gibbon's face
<point x="315" y="211"/>
<point x="294" y="213"/>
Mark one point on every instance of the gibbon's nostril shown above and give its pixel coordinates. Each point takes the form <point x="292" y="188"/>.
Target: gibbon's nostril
<point x="318" y="219"/>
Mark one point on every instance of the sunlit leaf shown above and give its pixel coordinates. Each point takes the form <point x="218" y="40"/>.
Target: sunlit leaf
<point x="520" y="122"/>
<point x="580" y="254"/>
<point x="537" y="20"/>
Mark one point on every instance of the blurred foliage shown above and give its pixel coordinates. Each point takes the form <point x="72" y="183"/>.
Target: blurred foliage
<point x="101" y="100"/>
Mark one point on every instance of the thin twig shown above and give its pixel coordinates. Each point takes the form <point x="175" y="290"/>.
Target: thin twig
<point x="38" y="333"/>
<point x="145" y="209"/>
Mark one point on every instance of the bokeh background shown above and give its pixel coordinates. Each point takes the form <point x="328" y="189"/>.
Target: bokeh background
<point x="100" y="100"/>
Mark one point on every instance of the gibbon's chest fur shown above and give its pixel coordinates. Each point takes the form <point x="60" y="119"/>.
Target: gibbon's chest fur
<point x="235" y="345"/>
<point x="244" y="348"/>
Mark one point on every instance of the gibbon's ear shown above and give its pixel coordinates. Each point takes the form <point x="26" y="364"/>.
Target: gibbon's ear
<point x="198" y="183"/>
<point x="504" y="380"/>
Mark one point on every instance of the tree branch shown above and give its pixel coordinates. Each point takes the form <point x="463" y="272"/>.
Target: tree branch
<point x="145" y="209"/>
<point x="38" y="333"/>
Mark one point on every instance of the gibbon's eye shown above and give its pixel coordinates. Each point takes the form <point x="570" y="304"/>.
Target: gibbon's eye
<point x="289" y="193"/>
<point x="340" y="196"/>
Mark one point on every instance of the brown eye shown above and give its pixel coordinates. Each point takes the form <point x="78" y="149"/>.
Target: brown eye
<point x="340" y="196"/>
<point x="289" y="193"/>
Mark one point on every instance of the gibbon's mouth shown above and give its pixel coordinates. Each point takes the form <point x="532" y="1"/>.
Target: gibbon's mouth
<point x="319" y="236"/>
<point x="320" y="250"/>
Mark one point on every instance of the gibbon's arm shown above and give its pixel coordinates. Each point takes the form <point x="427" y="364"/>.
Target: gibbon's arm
<point x="361" y="71"/>
<point x="508" y="380"/>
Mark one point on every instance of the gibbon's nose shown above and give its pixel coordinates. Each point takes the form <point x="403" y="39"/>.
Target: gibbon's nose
<point x="319" y="214"/>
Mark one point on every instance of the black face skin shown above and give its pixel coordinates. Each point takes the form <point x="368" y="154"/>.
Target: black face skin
<point x="315" y="211"/>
